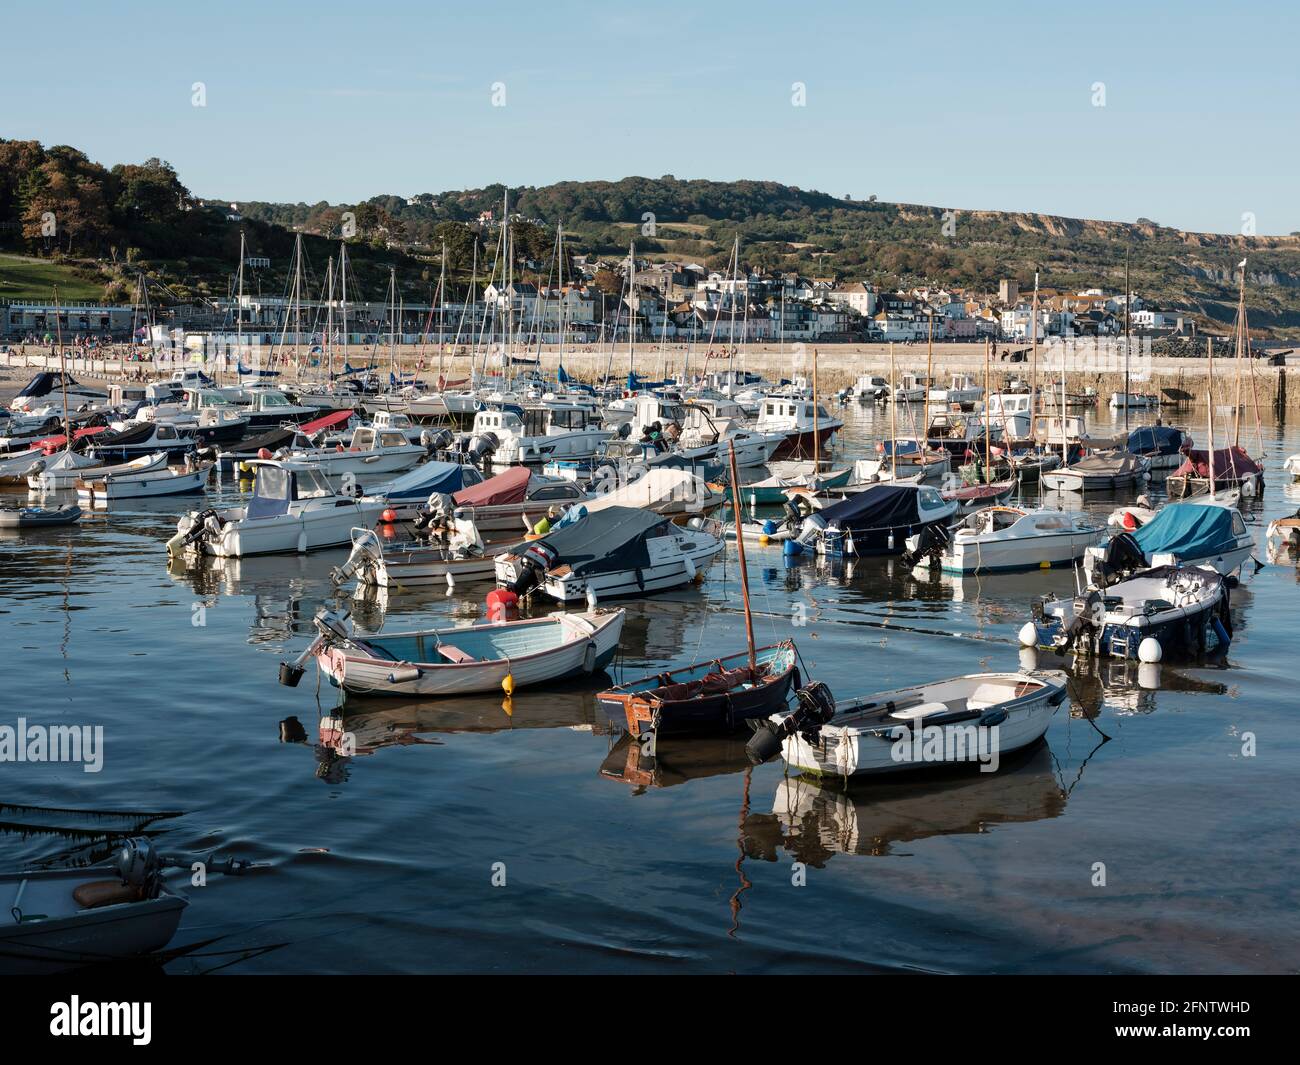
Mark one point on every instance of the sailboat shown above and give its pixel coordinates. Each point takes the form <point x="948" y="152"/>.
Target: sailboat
<point x="721" y="695"/>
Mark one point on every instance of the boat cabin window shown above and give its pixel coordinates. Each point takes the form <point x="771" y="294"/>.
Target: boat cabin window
<point x="568" y="417"/>
<point x="554" y="492"/>
<point x="1050" y="522"/>
<point x="166" y="432"/>
<point x="363" y="439"/>
<point x="1238" y="525"/>
<point x="391" y="439"/>
<point x="929" y="498"/>
<point x="274" y="399"/>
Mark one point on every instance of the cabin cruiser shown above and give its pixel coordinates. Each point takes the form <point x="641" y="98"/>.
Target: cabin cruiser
<point x="1001" y="539"/>
<point x="961" y="433"/>
<point x="869" y="386"/>
<point x="962" y="391"/>
<point x="372" y="452"/>
<point x="1188" y="534"/>
<point x="1011" y="413"/>
<point x="911" y="388"/>
<point x="699" y="430"/>
<point x="141" y="438"/>
<point x="794" y="419"/>
<point x="269" y="407"/>
<point x="207" y="414"/>
<point x="618" y="551"/>
<point x="535" y="435"/>
<point x="292" y="509"/>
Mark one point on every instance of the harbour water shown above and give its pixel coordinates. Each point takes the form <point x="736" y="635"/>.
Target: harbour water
<point x="459" y="836"/>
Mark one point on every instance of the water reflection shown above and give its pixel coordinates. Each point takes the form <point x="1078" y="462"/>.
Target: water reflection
<point x="812" y="821"/>
<point x="666" y="763"/>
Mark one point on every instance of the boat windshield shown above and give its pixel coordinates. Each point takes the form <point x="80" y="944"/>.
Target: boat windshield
<point x="272" y="492"/>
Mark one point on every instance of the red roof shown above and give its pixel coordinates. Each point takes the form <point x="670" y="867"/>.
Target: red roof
<point x="508" y="487"/>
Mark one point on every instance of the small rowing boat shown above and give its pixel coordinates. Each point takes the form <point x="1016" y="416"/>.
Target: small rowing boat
<point x="451" y="660"/>
<point x="39" y="517"/>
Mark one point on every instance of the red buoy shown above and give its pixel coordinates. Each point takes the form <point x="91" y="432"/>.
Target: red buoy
<point x="263" y="453"/>
<point x="1130" y="522"/>
<point x="502" y="605"/>
<point x="388" y="516"/>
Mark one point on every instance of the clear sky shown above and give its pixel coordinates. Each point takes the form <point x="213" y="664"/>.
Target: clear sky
<point x="956" y="105"/>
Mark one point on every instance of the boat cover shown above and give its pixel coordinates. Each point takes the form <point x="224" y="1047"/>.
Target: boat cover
<point x="607" y="541"/>
<point x="132" y="434"/>
<point x="333" y="418"/>
<point x="51" y="442"/>
<point x="1155" y="440"/>
<point x="659" y="486"/>
<point x="1110" y="462"/>
<point x="44" y="383"/>
<point x="882" y="506"/>
<point x="418" y="483"/>
<point x="1187" y="530"/>
<point x="272" y="440"/>
<point x="1228" y="462"/>
<point x="508" y="487"/>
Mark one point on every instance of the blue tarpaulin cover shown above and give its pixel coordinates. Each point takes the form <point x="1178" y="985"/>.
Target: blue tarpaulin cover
<point x="1155" y="439"/>
<point x="419" y="483"/>
<point x="1188" y="530"/>
<point x="880" y="506"/>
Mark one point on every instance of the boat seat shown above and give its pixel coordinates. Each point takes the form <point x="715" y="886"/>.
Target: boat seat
<point x="95" y="893"/>
<point x="915" y="713"/>
<point x="454" y="654"/>
<point x="988" y="695"/>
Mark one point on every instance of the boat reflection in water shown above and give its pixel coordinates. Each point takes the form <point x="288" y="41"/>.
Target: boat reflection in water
<point x="364" y="726"/>
<point x="663" y="763"/>
<point x="812" y="822"/>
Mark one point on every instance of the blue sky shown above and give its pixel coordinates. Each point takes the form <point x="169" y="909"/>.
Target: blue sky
<point x="962" y="106"/>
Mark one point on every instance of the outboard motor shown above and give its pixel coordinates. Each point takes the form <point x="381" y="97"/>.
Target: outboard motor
<point x="439" y="507"/>
<point x="481" y="449"/>
<point x="437" y="440"/>
<point x="816" y="707"/>
<point x="1123" y="556"/>
<point x="931" y="542"/>
<point x="625" y="430"/>
<point x="535" y="560"/>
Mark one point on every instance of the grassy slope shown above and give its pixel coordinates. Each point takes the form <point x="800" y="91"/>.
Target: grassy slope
<point x="34" y="279"/>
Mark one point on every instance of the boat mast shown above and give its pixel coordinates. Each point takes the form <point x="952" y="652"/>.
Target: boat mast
<point x="1241" y="337"/>
<point x="925" y="410"/>
<point x="343" y="269"/>
<point x="442" y="303"/>
<point x="1128" y="302"/>
<point x="893" y="422"/>
<point x="631" y="308"/>
<point x="988" y="453"/>
<point x="392" y="327"/>
<point x="740" y="549"/>
<point x="329" y="320"/>
<point x="817" y="441"/>
<point x="239" y="308"/>
<point x="63" y="374"/>
<point x="1033" y="359"/>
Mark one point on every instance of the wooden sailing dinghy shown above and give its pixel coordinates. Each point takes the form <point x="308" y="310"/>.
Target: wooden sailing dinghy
<point x="710" y="697"/>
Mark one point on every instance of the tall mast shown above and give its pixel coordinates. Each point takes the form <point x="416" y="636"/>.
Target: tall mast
<point x="740" y="549"/>
<point x="631" y="307"/>
<point x="63" y="374"/>
<point x="893" y="421"/>
<point x="929" y="383"/>
<point x="392" y="327"/>
<point x="343" y="270"/>
<point x="988" y="453"/>
<point x="1033" y="357"/>
<point x="442" y="304"/>
<point x="817" y="441"/>
<point x="1128" y="302"/>
<point x="239" y="307"/>
<point x="329" y="320"/>
<point x="1241" y="344"/>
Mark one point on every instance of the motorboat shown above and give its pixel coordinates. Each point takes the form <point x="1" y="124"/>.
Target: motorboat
<point x="1153" y="614"/>
<point x="142" y="438"/>
<point x="267" y="408"/>
<point x="293" y="509"/>
<point x="1292" y="466"/>
<point x="370" y="453"/>
<point x="911" y="389"/>
<point x="1161" y="445"/>
<point x="971" y="498"/>
<point x="805" y="424"/>
<point x="1133" y="515"/>
<point x="1134" y="401"/>
<point x="1189" y="534"/>
<point x="777" y="489"/>
<point x="535" y="435"/>
<point x="160" y="481"/>
<point x="962" y="391"/>
<point x="49" y="387"/>
<point x="676" y="494"/>
<point x="68" y="468"/>
<point x="976" y="719"/>
<point x="877" y="521"/>
<point x="282" y="439"/>
<point x="459" y="660"/>
<point x="1099" y="472"/>
<point x="870" y="387"/>
<point x="617" y="551"/>
<point x="1229" y="467"/>
<point x="408" y="494"/>
<point x="1004" y="539"/>
<point x="458" y="558"/>
<point x="719" y="696"/>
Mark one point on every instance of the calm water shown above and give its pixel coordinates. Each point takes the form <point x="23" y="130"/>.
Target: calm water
<point x="384" y="861"/>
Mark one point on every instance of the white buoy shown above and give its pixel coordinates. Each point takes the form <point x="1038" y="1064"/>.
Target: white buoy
<point x="1028" y="634"/>
<point x="690" y="568"/>
<point x="591" y="598"/>
<point x="1150" y="651"/>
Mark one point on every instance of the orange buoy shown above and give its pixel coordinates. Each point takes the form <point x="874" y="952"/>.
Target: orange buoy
<point x="388" y="516"/>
